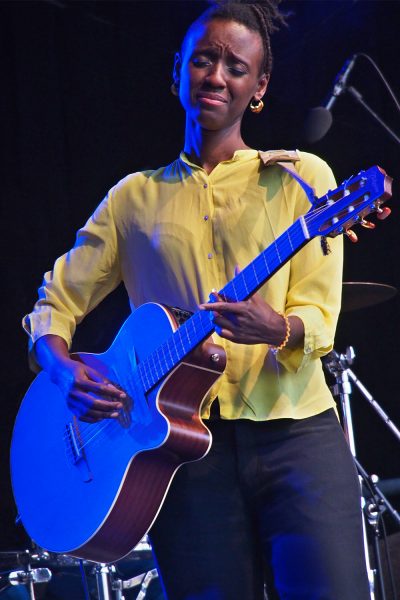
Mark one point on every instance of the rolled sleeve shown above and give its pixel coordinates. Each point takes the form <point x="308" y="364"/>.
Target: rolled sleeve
<point x="315" y="288"/>
<point x="78" y="282"/>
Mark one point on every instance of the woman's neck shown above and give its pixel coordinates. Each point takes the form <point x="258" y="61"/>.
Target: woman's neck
<point x="207" y="148"/>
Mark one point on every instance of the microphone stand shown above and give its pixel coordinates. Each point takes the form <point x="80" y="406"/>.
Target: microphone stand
<point x="338" y="365"/>
<point x="359" y="98"/>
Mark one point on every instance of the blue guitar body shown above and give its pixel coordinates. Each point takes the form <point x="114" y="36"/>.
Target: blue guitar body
<point x="95" y="489"/>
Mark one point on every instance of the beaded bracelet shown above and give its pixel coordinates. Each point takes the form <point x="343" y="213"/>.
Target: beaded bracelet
<point x="276" y="349"/>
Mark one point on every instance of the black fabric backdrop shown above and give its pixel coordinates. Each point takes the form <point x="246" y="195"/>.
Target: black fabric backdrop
<point x="85" y="99"/>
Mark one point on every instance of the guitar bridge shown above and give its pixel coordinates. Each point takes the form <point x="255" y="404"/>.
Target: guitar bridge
<point x="74" y="442"/>
<point x="75" y="450"/>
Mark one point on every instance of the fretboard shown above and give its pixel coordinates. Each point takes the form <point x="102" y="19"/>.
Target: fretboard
<point x="200" y="326"/>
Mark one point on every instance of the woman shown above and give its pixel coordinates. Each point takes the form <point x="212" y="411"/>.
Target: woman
<point x="278" y="491"/>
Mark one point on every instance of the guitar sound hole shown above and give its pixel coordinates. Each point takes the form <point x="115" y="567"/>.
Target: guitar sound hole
<point x="180" y="315"/>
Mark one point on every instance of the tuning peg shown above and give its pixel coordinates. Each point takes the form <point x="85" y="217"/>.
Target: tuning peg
<point x="351" y="235"/>
<point x="367" y="224"/>
<point x="382" y="213"/>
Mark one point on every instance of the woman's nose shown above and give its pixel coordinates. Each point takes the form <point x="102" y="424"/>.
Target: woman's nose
<point x="215" y="76"/>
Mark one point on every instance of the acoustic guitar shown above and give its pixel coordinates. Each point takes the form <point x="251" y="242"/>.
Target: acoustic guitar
<point x="94" y="490"/>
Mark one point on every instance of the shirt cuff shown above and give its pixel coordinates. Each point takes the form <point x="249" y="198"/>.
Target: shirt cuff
<point x="317" y="340"/>
<point x="36" y="327"/>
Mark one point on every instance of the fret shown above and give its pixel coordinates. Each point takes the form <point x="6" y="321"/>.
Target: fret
<point x="154" y="370"/>
<point x="277" y="252"/>
<point x="204" y="317"/>
<point x="140" y="371"/>
<point x="164" y="355"/>
<point x="174" y="346"/>
<point x="255" y="273"/>
<point x="187" y="333"/>
<point x="245" y="285"/>
<point x="160" y="359"/>
<point x="179" y="337"/>
<point x="235" y="294"/>
<point x="143" y="371"/>
<point x="186" y="342"/>
<point x="191" y="323"/>
<point x="168" y="345"/>
<point x="264" y="255"/>
<point x="290" y="240"/>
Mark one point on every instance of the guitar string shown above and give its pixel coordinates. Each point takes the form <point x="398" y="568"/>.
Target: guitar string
<point x="85" y="426"/>
<point x="309" y="217"/>
<point x="238" y="290"/>
<point x="240" y="287"/>
<point x="240" y="282"/>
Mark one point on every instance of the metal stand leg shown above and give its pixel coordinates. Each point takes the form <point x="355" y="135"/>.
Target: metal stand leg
<point x="102" y="572"/>
<point x="336" y="365"/>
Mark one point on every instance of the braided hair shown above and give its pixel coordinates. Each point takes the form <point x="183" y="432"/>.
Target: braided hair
<point x="263" y="17"/>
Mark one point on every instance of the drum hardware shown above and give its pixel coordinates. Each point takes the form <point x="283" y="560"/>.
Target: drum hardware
<point x="27" y="576"/>
<point x="374" y="503"/>
<point x="109" y="583"/>
<point x="110" y="586"/>
<point x="40" y="575"/>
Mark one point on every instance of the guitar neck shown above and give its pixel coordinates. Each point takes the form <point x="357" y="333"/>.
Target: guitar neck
<point x="248" y="281"/>
<point x="200" y="326"/>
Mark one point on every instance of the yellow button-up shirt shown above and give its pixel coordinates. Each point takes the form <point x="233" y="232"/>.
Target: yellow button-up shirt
<point x="174" y="234"/>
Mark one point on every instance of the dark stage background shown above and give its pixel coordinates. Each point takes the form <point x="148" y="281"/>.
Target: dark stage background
<point x="85" y="99"/>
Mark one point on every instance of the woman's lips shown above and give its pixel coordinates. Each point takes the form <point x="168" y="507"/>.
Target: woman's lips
<point x="210" y="99"/>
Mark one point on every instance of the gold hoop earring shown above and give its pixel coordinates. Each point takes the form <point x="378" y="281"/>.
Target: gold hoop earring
<point x="174" y="89"/>
<point x="256" y="106"/>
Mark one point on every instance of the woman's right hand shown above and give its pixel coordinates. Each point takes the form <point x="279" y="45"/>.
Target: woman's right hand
<point x="88" y="393"/>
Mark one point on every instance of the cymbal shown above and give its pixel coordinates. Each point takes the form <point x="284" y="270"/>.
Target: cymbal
<point x="361" y="294"/>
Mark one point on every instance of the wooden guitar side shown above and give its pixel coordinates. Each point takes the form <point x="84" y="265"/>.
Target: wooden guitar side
<point x="151" y="472"/>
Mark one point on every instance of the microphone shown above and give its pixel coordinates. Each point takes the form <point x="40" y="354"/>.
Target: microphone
<point x="319" y="119"/>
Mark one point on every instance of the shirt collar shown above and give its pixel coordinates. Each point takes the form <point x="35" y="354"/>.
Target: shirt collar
<point x="238" y="155"/>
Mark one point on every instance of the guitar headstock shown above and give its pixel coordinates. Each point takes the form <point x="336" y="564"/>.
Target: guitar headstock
<point x="349" y="204"/>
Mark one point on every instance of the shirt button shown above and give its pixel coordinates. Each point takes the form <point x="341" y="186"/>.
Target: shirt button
<point x="205" y="185"/>
<point x="205" y="217"/>
<point x="209" y="255"/>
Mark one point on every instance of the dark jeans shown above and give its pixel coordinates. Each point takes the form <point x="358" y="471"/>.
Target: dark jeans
<point x="276" y="501"/>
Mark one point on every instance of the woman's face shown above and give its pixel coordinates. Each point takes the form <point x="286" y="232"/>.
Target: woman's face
<point x="219" y="73"/>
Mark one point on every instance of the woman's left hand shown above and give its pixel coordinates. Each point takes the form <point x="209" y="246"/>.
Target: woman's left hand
<point x="250" y="321"/>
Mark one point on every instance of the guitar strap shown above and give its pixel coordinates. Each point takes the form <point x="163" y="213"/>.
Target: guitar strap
<point x="286" y="160"/>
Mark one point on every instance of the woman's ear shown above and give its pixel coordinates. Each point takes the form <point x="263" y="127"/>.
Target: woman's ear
<point x="176" y="73"/>
<point x="262" y="86"/>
